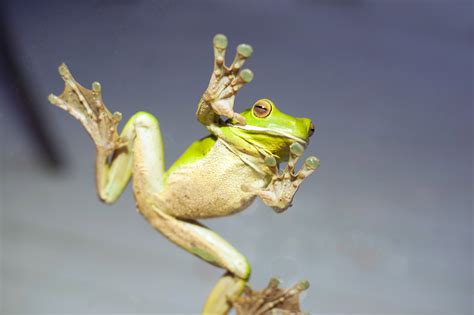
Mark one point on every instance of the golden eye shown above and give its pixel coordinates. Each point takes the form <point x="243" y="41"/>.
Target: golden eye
<point x="262" y="109"/>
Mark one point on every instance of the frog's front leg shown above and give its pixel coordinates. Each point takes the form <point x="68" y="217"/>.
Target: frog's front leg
<point x="87" y="106"/>
<point x="280" y="192"/>
<point x="225" y="82"/>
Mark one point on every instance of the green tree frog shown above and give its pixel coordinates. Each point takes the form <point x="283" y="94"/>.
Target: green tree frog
<point x="218" y="175"/>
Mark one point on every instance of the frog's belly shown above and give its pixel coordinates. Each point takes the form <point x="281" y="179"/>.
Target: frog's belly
<point x="211" y="187"/>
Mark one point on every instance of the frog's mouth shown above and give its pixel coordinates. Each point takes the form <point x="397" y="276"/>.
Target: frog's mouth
<point x="274" y="132"/>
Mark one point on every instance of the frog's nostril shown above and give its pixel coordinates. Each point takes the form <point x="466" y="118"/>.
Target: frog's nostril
<point x="311" y="129"/>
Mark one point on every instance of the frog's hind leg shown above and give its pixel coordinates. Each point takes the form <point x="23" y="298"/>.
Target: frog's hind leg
<point x="209" y="246"/>
<point x="190" y="235"/>
<point x="143" y="157"/>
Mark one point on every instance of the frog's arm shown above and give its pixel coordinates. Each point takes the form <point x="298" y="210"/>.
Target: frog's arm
<point x="225" y="82"/>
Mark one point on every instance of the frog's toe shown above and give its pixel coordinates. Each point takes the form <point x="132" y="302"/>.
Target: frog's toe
<point x="302" y="285"/>
<point x="245" y="50"/>
<point x="63" y="70"/>
<point x="220" y="44"/>
<point x="220" y="41"/>
<point x="270" y="161"/>
<point x="246" y="75"/>
<point x="273" y="283"/>
<point x="288" y="299"/>
<point x="312" y="163"/>
<point x="296" y="149"/>
<point x="272" y="164"/>
<point x="53" y="99"/>
<point x="96" y="87"/>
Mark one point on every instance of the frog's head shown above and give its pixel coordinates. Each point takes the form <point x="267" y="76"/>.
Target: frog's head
<point x="273" y="131"/>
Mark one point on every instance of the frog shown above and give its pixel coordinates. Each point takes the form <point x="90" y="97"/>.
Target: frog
<point x="218" y="175"/>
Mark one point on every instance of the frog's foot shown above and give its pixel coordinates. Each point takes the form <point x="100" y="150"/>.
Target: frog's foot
<point x="271" y="300"/>
<point x="226" y="81"/>
<point x="283" y="185"/>
<point x="87" y="107"/>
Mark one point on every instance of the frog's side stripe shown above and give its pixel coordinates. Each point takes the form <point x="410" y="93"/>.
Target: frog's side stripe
<point x="269" y="131"/>
<point x="199" y="149"/>
<point x="261" y="150"/>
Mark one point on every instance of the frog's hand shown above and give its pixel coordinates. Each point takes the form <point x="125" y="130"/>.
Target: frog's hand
<point x="225" y="82"/>
<point x="282" y="188"/>
<point x="271" y="300"/>
<point x="87" y="107"/>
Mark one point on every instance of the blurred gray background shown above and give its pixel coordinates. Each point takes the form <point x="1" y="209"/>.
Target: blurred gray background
<point x="384" y="227"/>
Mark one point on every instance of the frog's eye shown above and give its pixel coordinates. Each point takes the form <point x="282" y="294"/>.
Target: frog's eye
<point x="262" y="109"/>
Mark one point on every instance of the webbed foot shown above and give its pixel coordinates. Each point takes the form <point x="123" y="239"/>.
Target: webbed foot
<point x="226" y="81"/>
<point x="283" y="185"/>
<point x="271" y="300"/>
<point x="87" y="107"/>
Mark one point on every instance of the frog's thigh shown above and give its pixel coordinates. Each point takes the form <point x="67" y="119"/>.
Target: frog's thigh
<point x="148" y="156"/>
<point x="142" y="138"/>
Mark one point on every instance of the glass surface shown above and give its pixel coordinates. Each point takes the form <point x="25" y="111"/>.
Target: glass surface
<point x="384" y="226"/>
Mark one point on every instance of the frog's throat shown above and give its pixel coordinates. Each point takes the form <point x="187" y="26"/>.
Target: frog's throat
<point x="247" y="159"/>
<point x="270" y="131"/>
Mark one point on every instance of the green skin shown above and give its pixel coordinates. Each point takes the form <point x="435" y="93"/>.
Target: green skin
<point x="240" y="138"/>
<point x="216" y="176"/>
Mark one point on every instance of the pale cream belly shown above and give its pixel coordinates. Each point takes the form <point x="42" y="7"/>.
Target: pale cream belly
<point x="211" y="187"/>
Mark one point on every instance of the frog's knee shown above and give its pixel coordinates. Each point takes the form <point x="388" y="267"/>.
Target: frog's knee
<point x="244" y="269"/>
<point x="145" y="120"/>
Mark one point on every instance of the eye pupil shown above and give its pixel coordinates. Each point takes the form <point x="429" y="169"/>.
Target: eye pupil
<point x="261" y="109"/>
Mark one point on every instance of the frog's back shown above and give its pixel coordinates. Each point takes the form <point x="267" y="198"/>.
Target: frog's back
<point x="206" y="181"/>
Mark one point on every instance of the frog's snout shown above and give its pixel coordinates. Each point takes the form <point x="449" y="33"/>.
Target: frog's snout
<point x="311" y="129"/>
